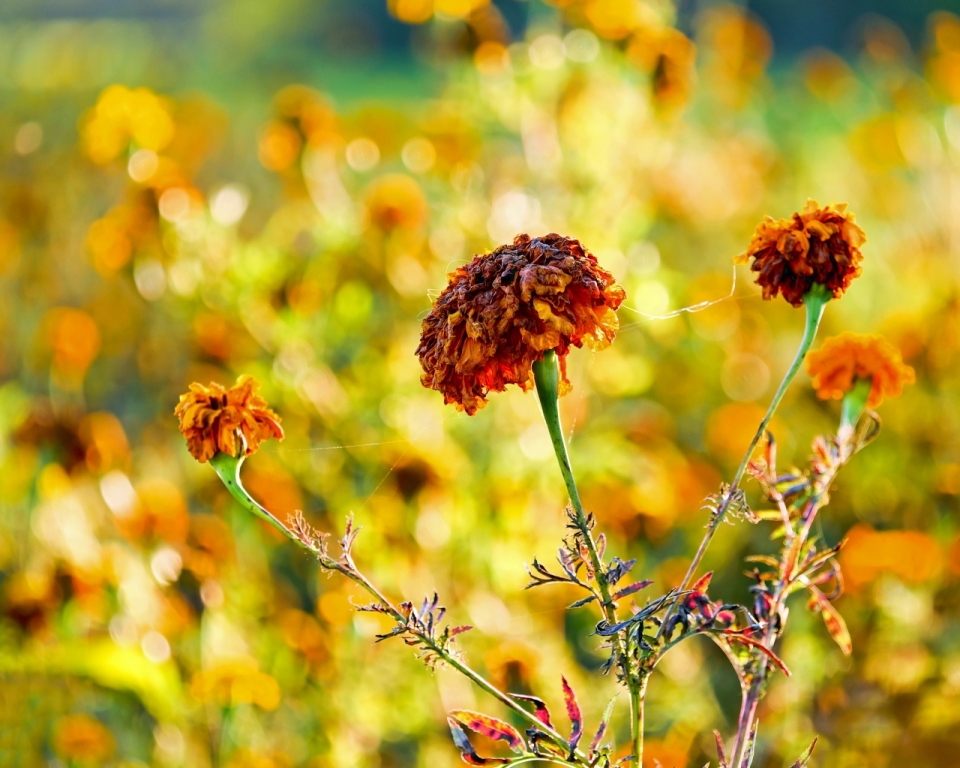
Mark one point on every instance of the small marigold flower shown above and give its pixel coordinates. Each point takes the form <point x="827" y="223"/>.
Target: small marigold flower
<point x="215" y="419"/>
<point x="844" y="359"/>
<point x="501" y="312"/>
<point x="818" y="246"/>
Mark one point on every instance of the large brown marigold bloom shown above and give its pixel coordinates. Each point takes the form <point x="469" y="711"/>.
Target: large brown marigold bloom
<point x="837" y="365"/>
<point x="503" y="310"/>
<point x="216" y="419"/>
<point x="818" y="246"/>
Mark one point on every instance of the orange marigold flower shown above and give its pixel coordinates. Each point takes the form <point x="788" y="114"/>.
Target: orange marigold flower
<point x="503" y="310"/>
<point x="842" y="360"/>
<point x="216" y="419"/>
<point x="818" y="246"/>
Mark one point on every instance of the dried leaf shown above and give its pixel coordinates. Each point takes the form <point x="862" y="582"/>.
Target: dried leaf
<point x="493" y="729"/>
<point x="836" y="626"/>
<point x="632" y="588"/>
<point x="763" y="649"/>
<point x="573" y="712"/>
<point x="702" y="583"/>
<point x="467" y="753"/>
<point x="602" y="728"/>
<point x="540" y="710"/>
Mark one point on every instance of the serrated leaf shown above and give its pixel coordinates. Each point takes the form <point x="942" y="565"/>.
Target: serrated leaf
<point x="632" y="588"/>
<point x="467" y="752"/>
<point x="834" y="622"/>
<point x="581" y="603"/>
<point x="573" y="712"/>
<point x="493" y="729"/>
<point x="540" y="710"/>
<point x="602" y="728"/>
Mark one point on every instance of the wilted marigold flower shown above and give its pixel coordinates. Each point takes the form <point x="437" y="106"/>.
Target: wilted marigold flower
<point x="501" y="312"/>
<point x="844" y="359"/>
<point x="216" y="419"/>
<point x="818" y="246"/>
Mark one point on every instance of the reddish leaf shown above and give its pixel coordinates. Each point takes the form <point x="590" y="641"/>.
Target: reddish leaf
<point x="454" y="631"/>
<point x="631" y="588"/>
<point x="763" y="649"/>
<point x="540" y="708"/>
<point x="573" y="712"/>
<point x="836" y="626"/>
<point x="467" y="753"/>
<point x="494" y="729"/>
<point x="602" y="728"/>
<point x="702" y="583"/>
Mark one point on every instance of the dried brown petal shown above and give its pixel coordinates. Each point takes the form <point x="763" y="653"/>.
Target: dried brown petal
<point x="503" y="310"/>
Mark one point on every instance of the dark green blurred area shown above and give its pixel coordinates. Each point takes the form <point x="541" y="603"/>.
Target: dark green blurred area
<point x="223" y="223"/>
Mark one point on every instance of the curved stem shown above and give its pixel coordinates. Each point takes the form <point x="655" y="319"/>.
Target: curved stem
<point x="546" y="376"/>
<point x="228" y="469"/>
<point x="815" y="302"/>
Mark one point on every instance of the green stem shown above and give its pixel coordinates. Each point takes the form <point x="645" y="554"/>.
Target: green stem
<point x="637" y="696"/>
<point x="546" y="376"/>
<point x="815" y="302"/>
<point x="855" y="401"/>
<point x="228" y="468"/>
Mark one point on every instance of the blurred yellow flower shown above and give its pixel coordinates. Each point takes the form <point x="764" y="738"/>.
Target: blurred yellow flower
<point x="236" y="681"/>
<point x="844" y="359"/>
<point x="396" y="201"/>
<point x="82" y="739"/>
<point x="74" y="339"/>
<point x="233" y="421"/>
<point x="121" y="116"/>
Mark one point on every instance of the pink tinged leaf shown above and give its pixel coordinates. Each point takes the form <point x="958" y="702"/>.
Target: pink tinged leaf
<point x="467" y="753"/>
<point x="493" y="729"/>
<point x="836" y="626"/>
<point x="765" y="651"/>
<point x="573" y="712"/>
<point x="540" y="710"/>
<point x="631" y="589"/>
<point x="454" y="631"/>
<point x="805" y="757"/>
<point x="721" y="753"/>
<point x="601" y="544"/>
<point x="602" y="728"/>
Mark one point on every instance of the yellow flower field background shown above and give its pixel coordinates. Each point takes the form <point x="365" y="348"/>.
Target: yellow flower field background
<point x="260" y="189"/>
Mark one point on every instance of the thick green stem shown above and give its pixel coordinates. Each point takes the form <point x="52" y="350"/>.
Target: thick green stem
<point x="546" y="375"/>
<point x="815" y="302"/>
<point x="637" y="696"/>
<point x="228" y="468"/>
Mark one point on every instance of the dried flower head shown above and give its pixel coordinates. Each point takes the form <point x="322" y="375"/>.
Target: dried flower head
<point x="503" y="310"/>
<point x="216" y="419"/>
<point x="818" y="246"/>
<point x="844" y="359"/>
